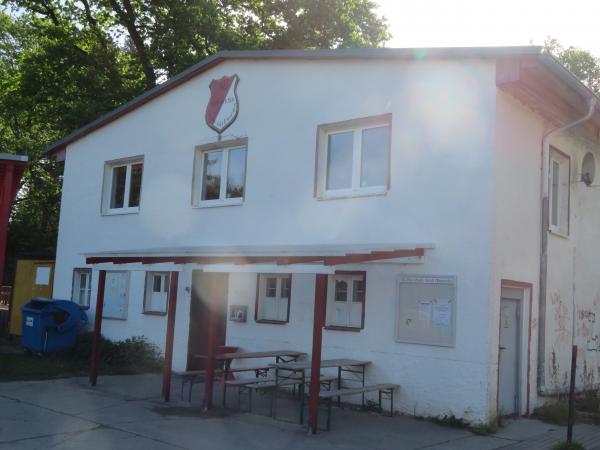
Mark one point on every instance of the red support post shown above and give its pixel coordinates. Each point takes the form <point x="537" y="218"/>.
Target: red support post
<point x="6" y="201"/>
<point x="210" y="359"/>
<point x="315" y="370"/>
<point x="171" y="310"/>
<point x="97" y="328"/>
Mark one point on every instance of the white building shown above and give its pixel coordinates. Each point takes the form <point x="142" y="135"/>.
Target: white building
<point x="414" y="179"/>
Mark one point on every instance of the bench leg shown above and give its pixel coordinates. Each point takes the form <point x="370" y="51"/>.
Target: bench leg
<point x="182" y="383"/>
<point x="380" y="409"/>
<point x="329" y="402"/>
<point x="224" y="394"/>
<point x="301" y="391"/>
<point x="391" y="403"/>
<point x="250" y="400"/>
<point x="190" y="394"/>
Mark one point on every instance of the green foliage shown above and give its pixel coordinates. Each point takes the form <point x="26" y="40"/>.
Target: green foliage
<point x="64" y="63"/>
<point x="582" y="63"/>
<point x="131" y="356"/>
<point x="556" y="412"/>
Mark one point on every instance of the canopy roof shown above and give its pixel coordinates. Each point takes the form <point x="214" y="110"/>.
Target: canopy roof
<point x="327" y="255"/>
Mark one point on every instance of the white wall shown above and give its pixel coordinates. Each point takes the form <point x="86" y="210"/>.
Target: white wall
<point x="516" y="252"/>
<point x="441" y="192"/>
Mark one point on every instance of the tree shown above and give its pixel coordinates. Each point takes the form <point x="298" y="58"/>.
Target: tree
<point x="63" y="63"/>
<point x="582" y="63"/>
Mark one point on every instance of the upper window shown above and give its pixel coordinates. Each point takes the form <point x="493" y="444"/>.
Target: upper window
<point x="157" y="293"/>
<point x="122" y="186"/>
<point x="353" y="157"/>
<point x="273" y="298"/>
<point x="220" y="173"/>
<point x="346" y="300"/>
<point x="82" y="287"/>
<point x="559" y="192"/>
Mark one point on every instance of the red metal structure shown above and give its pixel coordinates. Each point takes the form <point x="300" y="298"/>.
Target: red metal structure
<point x="322" y="260"/>
<point x="11" y="171"/>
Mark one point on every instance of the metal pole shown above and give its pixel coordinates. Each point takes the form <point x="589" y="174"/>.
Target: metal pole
<point x="97" y="328"/>
<point x="571" y="419"/>
<point x="171" y="310"/>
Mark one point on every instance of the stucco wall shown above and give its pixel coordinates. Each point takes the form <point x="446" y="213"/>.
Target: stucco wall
<point x="440" y="192"/>
<point x="516" y="253"/>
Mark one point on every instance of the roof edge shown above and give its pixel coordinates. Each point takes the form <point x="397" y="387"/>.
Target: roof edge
<point x="351" y="53"/>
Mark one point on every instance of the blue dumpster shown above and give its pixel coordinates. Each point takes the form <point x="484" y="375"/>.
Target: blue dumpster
<point x="51" y="325"/>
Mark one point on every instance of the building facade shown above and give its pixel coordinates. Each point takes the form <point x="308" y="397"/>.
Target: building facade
<point x="431" y="157"/>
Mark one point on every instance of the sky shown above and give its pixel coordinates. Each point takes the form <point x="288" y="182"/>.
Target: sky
<point x="448" y="23"/>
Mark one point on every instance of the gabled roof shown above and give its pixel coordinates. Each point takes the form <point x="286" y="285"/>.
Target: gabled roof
<point x="341" y="54"/>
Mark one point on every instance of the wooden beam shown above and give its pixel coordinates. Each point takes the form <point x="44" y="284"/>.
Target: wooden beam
<point x="315" y="369"/>
<point x="97" y="328"/>
<point x="373" y="256"/>
<point x="171" y="312"/>
<point x="5" y="206"/>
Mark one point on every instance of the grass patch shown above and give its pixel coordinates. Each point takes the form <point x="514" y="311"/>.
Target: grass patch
<point x="556" y="413"/>
<point x="587" y="409"/>
<point x="568" y="446"/>
<point x="131" y="356"/>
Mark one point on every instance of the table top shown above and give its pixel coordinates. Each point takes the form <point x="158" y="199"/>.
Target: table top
<point x="250" y="355"/>
<point x="326" y="363"/>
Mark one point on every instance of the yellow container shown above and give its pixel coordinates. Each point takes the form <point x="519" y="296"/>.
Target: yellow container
<point x="33" y="278"/>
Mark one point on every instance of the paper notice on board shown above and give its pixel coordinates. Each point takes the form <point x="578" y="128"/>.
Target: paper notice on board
<point x="425" y="311"/>
<point x="442" y="313"/>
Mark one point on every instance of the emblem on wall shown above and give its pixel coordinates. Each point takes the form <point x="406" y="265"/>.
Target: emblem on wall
<point x="223" y="106"/>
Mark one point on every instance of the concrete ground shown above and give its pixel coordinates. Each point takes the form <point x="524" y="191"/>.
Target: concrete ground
<point x="126" y="412"/>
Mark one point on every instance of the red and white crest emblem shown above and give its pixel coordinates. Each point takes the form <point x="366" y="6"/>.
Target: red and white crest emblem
<point x="223" y="105"/>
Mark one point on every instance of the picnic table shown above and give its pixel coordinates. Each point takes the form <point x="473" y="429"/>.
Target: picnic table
<point x="281" y="357"/>
<point x="343" y="365"/>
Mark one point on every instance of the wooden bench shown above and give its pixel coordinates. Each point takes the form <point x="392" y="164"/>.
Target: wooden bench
<point x="191" y="377"/>
<point x="384" y="389"/>
<point x="272" y="384"/>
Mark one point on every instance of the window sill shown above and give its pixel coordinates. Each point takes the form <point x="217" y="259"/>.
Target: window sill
<point x="272" y="322"/>
<point x="339" y="328"/>
<point x="353" y="193"/>
<point x="560" y="234"/>
<point x="218" y="203"/>
<point x="154" y="313"/>
<point x="120" y="211"/>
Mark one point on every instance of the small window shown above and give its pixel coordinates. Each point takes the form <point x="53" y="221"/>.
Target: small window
<point x="346" y="300"/>
<point x="122" y="186"/>
<point x="353" y="157"/>
<point x="559" y="187"/>
<point x="82" y="287"/>
<point x="157" y="293"/>
<point x="220" y="174"/>
<point x="273" y="298"/>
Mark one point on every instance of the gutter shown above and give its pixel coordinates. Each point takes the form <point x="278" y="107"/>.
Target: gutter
<point x="545" y="226"/>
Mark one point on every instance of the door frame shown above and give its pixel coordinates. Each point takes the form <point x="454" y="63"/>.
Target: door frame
<point x="527" y="297"/>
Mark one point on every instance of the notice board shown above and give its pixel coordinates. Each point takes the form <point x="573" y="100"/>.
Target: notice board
<point x="426" y="310"/>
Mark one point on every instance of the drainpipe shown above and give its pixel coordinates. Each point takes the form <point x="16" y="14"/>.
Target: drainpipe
<point x="541" y="381"/>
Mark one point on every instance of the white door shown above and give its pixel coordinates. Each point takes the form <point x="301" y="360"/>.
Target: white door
<point x="115" y="295"/>
<point x="510" y="335"/>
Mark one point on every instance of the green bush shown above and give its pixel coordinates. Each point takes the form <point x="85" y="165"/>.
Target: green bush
<point x="133" y="355"/>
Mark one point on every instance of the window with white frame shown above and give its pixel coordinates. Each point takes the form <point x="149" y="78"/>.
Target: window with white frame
<point x="220" y="173"/>
<point x="273" y="298"/>
<point x="559" y="184"/>
<point x="82" y="287"/>
<point x="353" y="157"/>
<point x="157" y="293"/>
<point x="346" y="300"/>
<point x="122" y="186"/>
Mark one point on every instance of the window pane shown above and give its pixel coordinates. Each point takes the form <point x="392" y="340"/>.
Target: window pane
<point x="555" y="194"/>
<point x="211" y="177"/>
<point x="166" y="281"/>
<point x="83" y="277"/>
<point x="341" y="291"/>
<point x="285" y="287"/>
<point x="117" y="191"/>
<point x="374" y="164"/>
<point x="339" y="160"/>
<point x="271" y="287"/>
<point x="358" y="291"/>
<point x="135" y="184"/>
<point x="236" y="173"/>
<point x="157" y="281"/>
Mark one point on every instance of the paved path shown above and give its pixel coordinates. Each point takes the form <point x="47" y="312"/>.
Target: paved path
<point x="125" y="412"/>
